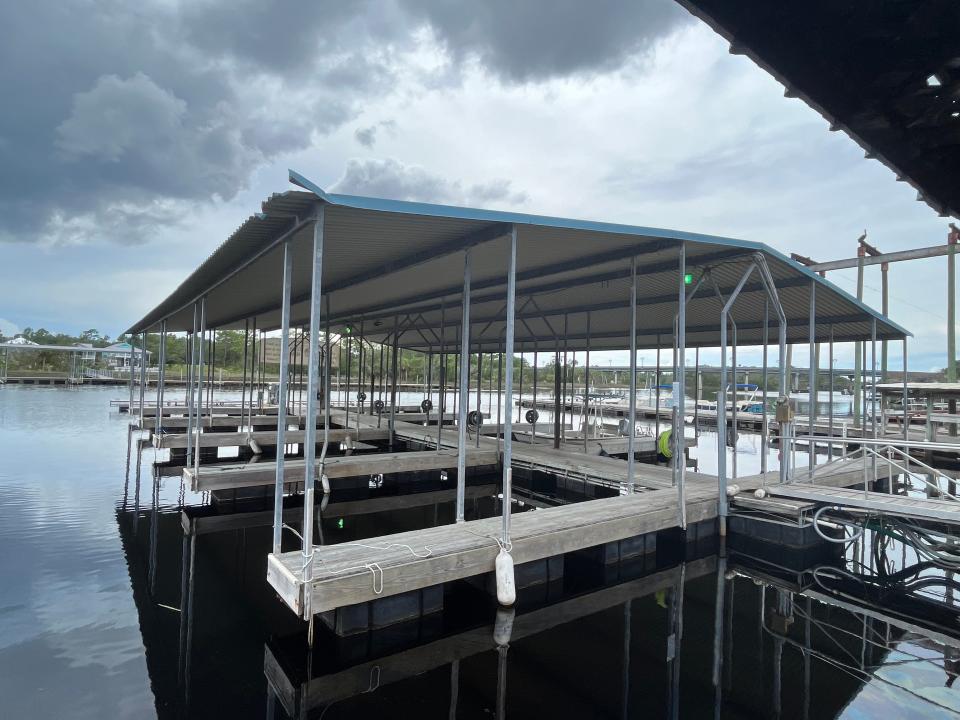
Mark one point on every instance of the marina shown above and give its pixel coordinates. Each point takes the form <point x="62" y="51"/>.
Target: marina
<point x="503" y="307"/>
<point x="451" y="360"/>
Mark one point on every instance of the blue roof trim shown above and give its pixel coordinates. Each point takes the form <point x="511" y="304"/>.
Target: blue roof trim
<point x="307" y="184"/>
<point x="360" y="202"/>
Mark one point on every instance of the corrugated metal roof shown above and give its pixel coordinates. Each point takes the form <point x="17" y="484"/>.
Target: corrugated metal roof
<point x="387" y="258"/>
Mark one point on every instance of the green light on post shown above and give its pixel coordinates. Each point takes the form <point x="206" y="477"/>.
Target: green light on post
<point x="688" y="279"/>
<point x="347" y="330"/>
<point x="340" y="524"/>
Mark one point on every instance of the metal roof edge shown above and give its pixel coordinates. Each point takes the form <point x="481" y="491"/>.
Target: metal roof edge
<point x="835" y="288"/>
<point x="408" y="207"/>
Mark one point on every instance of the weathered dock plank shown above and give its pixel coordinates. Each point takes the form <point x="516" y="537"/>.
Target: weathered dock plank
<point x="229" y="477"/>
<point x="208" y="524"/>
<point x="899" y="505"/>
<point x="350" y="573"/>
<point x="265" y="438"/>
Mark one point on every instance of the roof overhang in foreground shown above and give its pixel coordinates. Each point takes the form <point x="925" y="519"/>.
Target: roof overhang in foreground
<point x="387" y="262"/>
<point x="885" y="72"/>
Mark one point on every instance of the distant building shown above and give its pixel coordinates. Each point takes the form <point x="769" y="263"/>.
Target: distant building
<point x="20" y="340"/>
<point x="89" y="353"/>
<point x="118" y="355"/>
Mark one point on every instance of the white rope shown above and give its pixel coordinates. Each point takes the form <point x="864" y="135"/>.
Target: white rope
<point x="387" y="546"/>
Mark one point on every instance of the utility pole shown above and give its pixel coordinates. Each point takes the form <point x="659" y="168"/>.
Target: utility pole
<point x="858" y="346"/>
<point x="952" y="239"/>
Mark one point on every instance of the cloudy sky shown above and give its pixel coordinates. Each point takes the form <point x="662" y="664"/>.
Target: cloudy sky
<point x="137" y="136"/>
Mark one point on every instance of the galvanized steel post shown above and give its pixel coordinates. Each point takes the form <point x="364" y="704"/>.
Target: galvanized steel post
<point x="281" y="395"/>
<point x="722" y="405"/>
<point x="680" y="384"/>
<point x="143" y="372"/>
<point x="161" y="375"/>
<point x="129" y="370"/>
<point x="906" y="419"/>
<point x="199" y="405"/>
<point x="310" y="428"/>
<point x="190" y="381"/>
<point x="464" y="388"/>
<point x="394" y="380"/>
<point x="812" y="379"/>
<point x="632" y="403"/>
<point x="764" y="424"/>
<point x="508" y="422"/>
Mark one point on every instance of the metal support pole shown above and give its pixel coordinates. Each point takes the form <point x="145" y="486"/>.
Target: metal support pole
<point x="346" y="397"/>
<point x="442" y="399"/>
<point x="199" y="406"/>
<point x="556" y="397"/>
<point x="520" y="403"/>
<point x="535" y="362"/>
<point x="394" y="379"/>
<point x="586" y="389"/>
<point x="952" y="239"/>
<point x="722" y="404"/>
<point x="143" y="372"/>
<point x="243" y="381"/>
<point x="830" y="416"/>
<point x="192" y="347"/>
<point x="508" y="425"/>
<point x="873" y="387"/>
<point x="465" y="387"/>
<point x="161" y="376"/>
<point x="680" y="390"/>
<point x="632" y="403"/>
<point x="310" y="429"/>
<point x="696" y="380"/>
<point x="253" y="362"/>
<point x="479" y="389"/>
<point x="952" y="309"/>
<point x="906" y="419"/>
<point x="656" y="390"/>
<point x="812" y="380"/>
<point x="129" y="371"/>
<point x="885" y="307"/>
<point x="282" y="405"/>
<point x="858" y="347"/>
<point x="327" y="371"/>
<point x="764" y="431"/>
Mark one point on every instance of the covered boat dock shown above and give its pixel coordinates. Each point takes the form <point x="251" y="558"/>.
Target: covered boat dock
<point x="448" y="281"/>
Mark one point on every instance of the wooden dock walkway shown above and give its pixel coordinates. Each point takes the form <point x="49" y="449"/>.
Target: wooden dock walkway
<point x="222" y="410"/>
<point x="898" y="505"/>
<point x="235" y="476"/>
<point x="207" y="524"/>
<point x="349" y="574"/>
<point x="266" y="438"/>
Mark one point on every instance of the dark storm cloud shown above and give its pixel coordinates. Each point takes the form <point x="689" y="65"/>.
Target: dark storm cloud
<point x="392" y="179"/>
<point x="539" y="39"/>
<point x="115" y="111"/>
<point x="115" y="107"/>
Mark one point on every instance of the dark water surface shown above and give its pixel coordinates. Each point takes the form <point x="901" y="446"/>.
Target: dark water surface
<point x="108" y="608"/>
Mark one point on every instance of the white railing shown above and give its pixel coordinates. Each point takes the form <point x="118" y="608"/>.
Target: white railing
<point x="896" y="453"/>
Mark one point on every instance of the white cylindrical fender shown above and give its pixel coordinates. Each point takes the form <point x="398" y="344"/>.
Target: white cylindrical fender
<point x="325" y="483"/>
<point x="760" y="493"/>
<point x="732" y="490"/>
<point x="503" y="626"/>
<point x="506" y="588"/>
<point x="255" y="446"/>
